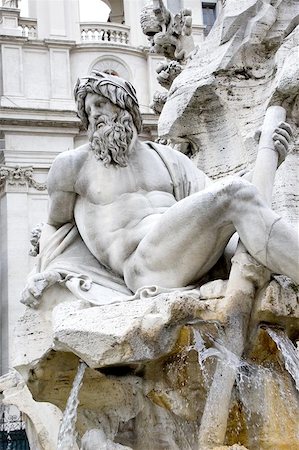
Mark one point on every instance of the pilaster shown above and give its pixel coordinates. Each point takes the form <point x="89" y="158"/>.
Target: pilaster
<point x="57" y="19"/>
<point x="16" y="183"/>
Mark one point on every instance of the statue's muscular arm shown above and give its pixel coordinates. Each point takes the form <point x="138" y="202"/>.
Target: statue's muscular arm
<point x="61" y="189"/>
<point x="62" y="196"/>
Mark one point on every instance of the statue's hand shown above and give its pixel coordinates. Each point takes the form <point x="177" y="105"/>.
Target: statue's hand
<point x="36" y="285"/>
<point x="282" y="137"/>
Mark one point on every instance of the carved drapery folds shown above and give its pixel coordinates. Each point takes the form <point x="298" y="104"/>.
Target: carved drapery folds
<point x="19" y="177"/>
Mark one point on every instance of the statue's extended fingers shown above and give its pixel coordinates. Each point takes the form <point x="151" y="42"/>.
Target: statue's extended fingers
<point x="35" y="303"/>
<point x="286" y="127"/>
<point x="27" y="298"/>
<point x="282" y="140"/>
<point x="281" y="151"/>
<point x="257" y="135"/>
<point x="34" y="291"/>
<point x="284" y="133"/>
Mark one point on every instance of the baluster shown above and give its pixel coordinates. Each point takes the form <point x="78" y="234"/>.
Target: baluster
<point x="113" y="36"/>
<point x="31" y="32"/>
<point x="117" y="36"/>
<point x="97" y="35"/>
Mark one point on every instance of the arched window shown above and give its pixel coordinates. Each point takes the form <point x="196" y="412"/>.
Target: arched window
<point x="94" y="10"/>
<point x="113" y="66"/>
<point x="111" y="72"/>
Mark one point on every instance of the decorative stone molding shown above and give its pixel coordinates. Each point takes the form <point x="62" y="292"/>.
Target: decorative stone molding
<point x="112" y="65"/>
<point x="10" y="3"/>
<point x="19" y="176"/>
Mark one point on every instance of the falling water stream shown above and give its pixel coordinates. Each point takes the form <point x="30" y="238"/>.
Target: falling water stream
<point x="288" y="351"/>
<point x="219" y="351"/>
<point x="250" y="378"/>
<point x="67" y="432"/>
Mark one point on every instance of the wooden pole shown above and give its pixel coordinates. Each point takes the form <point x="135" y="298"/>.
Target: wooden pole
<point x="240" y="296"/>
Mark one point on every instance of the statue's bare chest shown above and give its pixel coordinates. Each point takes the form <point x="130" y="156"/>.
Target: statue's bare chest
<point x="104" y="185"/>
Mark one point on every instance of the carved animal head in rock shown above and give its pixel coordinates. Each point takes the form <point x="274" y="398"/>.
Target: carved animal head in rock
<point x="117" y="90"/>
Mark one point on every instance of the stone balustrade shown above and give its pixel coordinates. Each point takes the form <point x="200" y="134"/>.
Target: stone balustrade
<point x="90" y="32"/>
<point x="105" y="32"/>
<point x="28" y="27"/>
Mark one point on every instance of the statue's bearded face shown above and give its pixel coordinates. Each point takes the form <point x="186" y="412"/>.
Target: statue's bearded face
<point x="110" y="130"/>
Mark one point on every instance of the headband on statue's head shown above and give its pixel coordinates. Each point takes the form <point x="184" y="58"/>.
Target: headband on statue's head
<point x="116" y="81"/>
<point x="124" y="96"/>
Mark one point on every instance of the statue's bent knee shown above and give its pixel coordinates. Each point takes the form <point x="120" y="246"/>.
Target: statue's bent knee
<point x="242" y="190"/>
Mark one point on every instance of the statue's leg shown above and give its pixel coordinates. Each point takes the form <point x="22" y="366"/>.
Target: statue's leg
<point x="190" y="237"/>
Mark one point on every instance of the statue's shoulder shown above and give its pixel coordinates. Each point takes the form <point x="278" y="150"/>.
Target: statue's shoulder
<point x="71" y="160"/>
<point x="74" y="155"/>
<point x="66" y="166"/>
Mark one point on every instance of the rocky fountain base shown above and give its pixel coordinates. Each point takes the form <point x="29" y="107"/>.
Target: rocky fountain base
<point x="150" y="365"/>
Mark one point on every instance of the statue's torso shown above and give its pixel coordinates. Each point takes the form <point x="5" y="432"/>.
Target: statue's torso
<point x="117" y="206"/>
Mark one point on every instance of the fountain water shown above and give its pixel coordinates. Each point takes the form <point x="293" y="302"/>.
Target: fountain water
<point x="254" y="384"/>
<point x="67" y="431"/>
<point x="288" y="351"/>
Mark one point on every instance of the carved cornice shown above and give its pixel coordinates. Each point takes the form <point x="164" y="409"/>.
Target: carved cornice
<point x="33" y="117"/>
<point x="19" y="177"/>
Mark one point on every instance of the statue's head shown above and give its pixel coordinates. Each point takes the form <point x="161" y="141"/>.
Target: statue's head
<point x="108" y="108"/>
<point x="119" y="91"/>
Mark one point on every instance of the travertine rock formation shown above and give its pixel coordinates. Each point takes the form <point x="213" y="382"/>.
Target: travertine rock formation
<point x="149" y="388"/>
<point x="248" y="61"/>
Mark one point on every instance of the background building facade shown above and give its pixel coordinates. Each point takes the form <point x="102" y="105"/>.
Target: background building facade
<point x="42" y="56"/>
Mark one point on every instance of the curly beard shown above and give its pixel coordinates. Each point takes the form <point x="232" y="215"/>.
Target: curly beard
<point x="111" y="139"/>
